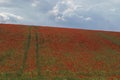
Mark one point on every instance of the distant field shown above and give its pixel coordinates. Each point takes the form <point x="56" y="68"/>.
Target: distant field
<point x="49" y="53"/>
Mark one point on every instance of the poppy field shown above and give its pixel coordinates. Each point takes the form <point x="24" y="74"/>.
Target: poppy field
<point x="51" y="53"/>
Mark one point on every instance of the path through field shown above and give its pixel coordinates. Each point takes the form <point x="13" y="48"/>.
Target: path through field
<point x="31" y="60"/>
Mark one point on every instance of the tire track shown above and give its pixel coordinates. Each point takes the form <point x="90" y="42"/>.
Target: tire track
<point x="37" y="51"/>
<point x="25" y="53"/>
<point x="113" y="39"/>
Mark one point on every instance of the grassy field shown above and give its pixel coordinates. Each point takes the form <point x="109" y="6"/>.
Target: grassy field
<point x="49" y="53"/>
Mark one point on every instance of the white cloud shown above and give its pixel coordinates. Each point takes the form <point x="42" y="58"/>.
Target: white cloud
<point x="35" y="3"/>
<point x="65" y="8"/>
<point x="4" y="1"/>
<point x="113" y="9"/>
<point x="9" y="17"/>
<point x="88" y="18"/>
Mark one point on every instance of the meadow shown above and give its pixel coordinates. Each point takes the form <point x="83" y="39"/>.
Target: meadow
<point x="51" y="53"/>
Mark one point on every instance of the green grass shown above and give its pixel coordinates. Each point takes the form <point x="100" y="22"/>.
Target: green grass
<point x="25" y="77"/>
<point x="6" y="55"/>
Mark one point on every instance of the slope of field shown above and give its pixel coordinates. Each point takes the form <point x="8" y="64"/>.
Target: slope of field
<point x="49" y="53"/>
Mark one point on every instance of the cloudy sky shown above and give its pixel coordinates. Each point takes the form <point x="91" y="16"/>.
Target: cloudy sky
<point x="85" y="14"/>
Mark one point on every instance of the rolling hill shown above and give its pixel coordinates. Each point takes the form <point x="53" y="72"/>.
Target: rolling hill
<point x="51" y="53"/>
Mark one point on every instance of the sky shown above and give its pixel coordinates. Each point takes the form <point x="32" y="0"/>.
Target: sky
<point x="83" y="14"/>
